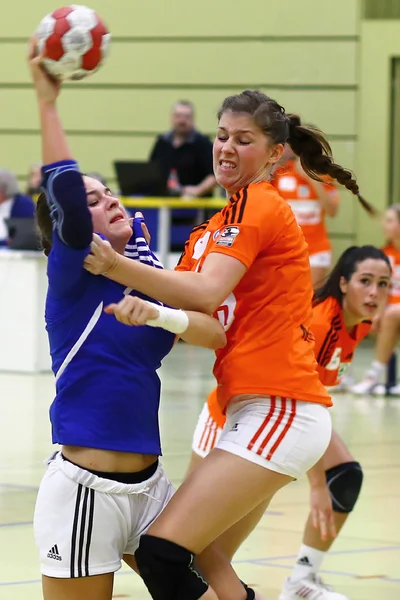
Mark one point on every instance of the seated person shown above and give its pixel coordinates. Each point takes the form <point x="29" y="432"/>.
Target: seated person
<point x="185" y="155"/>
<point x="13" y="204"/>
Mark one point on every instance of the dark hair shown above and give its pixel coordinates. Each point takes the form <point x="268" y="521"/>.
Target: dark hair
<point x="345" y="267"/>
<point x="307" y="142"/>
<point x="98" y="176"/>
<point x="44" y="223"/>
<point x="186" y="103"/>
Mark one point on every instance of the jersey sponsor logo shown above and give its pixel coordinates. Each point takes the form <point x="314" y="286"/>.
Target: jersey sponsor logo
<point x="227" y="236"/>
<point x="287" y="183"/>
<point x="335" y="360"/>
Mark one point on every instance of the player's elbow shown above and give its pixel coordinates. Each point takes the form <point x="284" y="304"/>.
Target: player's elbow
<point x="205" y="301"/>
<point x="218" y="340"/>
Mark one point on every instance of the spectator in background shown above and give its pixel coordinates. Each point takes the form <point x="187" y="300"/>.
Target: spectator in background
<point x="34" y="180"/>
<point x="13" y="204"/>
<point x="185" y="155"/>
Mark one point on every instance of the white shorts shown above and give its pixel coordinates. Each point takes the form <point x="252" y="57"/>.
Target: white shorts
<point x="321" y="259"/>
<point x="286" y="436"/>
<point x="206" y="434"/>
<point x="83" y="524"/>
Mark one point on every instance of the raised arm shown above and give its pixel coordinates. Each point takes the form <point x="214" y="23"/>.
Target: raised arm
<point x="64" y="188"/>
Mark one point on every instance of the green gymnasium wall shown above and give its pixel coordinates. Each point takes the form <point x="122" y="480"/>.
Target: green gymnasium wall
<point x="380" y="45"/>
<point x="303" y="52"/>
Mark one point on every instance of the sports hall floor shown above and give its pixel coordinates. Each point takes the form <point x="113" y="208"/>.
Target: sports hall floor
<point x="365" y="562"/>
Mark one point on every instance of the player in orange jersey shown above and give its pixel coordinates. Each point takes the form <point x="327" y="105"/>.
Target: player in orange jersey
<point x="388" y="324"/>
<point x="310" y="201"/>
<point x="343" y="308"/>
<point x="251" y="269"/>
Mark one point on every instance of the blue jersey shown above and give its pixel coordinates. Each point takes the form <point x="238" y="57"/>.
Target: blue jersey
<point x="107" y="387"/>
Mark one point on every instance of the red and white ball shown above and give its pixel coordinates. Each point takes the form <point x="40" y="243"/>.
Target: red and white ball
<point x="74" y="42"/>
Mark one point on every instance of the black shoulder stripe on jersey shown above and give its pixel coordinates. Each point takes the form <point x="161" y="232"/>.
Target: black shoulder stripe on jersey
<point x="235" y="211"/>
<point x="331" y="338"/>
<point x="242" y="205"/>
<point x="183" y="253"/>
<point x="201" y="226"/>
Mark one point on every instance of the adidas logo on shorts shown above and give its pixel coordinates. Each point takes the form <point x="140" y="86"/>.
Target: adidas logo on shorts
<point x="53" y="553"/>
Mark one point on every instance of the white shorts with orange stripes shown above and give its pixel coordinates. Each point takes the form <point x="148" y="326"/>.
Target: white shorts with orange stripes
<point x="286" y="436"/>
<point x="206" y="434"/>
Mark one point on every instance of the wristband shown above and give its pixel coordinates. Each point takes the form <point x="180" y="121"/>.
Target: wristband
<point x="170" y="319"/>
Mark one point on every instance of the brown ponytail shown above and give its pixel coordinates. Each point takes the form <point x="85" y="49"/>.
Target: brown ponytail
<point x="44" y="223"/>
<point x="315" y="153"/>
<point x="309" y="143"/>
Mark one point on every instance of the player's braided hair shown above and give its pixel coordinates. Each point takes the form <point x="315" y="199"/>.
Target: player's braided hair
<point x="345" y="267"/>
<point x="308" y="142"/>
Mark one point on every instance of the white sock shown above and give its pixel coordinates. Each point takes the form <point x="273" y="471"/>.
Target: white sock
<point x="376" y="369"/>
<point x="309" y="561"/>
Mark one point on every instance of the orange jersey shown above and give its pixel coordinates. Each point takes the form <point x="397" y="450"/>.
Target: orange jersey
<point x="334" y="345"/>
<point x="394" y="256"/>
<point x="334" y="348"/>
<point x="269" y="350"/>
<point x="300" y="193"/>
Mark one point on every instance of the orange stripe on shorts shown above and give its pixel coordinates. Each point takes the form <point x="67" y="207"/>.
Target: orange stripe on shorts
<point x="274" y="428"/>
<point x="284" y="432"/>
<point x="264" y="423"/>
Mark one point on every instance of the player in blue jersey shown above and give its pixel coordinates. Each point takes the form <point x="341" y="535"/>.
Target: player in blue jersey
<point x="105" y="487"/>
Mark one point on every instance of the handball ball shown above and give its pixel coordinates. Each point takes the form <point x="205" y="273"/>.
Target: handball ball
<point x="74" y="42"/>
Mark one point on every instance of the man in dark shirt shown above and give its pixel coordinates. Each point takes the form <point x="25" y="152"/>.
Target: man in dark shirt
<point x="185" y="155"/>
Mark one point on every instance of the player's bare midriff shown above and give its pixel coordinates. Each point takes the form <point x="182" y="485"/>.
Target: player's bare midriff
<point x="108" y="460"/>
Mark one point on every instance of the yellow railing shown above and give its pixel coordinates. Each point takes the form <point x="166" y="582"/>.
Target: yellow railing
<point x="146" y="202"/>
<point x="164" y="207"/>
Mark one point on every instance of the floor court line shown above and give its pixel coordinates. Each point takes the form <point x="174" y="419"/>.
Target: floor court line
<point x="17" y="486"/>
<point x="16" y="524"/>
<point x="338" y="552"/>
<point x="267" y="561"/>
<point x="326" y="572"/>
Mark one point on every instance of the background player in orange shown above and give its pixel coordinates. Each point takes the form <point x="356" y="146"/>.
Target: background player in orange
<point x="251" y="267"/>
<point x="310" y="201"/>
<point x="388" y="323"/>
<point x="355" y="291"/>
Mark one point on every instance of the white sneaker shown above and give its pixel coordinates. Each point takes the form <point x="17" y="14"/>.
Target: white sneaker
<point x="308" y="589"/>
<point x="366" y="387"/>
<point x="394" y="390"/>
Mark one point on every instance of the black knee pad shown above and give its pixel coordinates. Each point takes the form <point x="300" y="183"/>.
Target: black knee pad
<point x="344" y="483"/>
<point x="167" y="570"/>
<point x="249" y="591"/>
